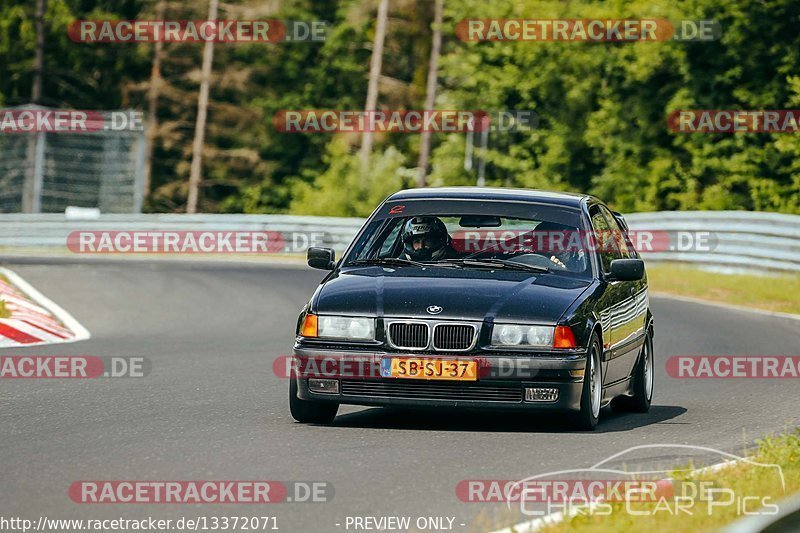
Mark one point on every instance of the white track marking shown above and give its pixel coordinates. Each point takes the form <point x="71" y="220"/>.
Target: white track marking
<point x="80" y="333"/>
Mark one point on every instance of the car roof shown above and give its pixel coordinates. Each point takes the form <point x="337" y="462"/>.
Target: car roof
<point x="491" y="193"/>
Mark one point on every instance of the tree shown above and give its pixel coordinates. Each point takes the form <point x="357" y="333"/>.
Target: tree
<point x="374" y="76"/>
<point x="202" y="112"/>
<point x="152" y="103"/>
<point x="430" y="94"/>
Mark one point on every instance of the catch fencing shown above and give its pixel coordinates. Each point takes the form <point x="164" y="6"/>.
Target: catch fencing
<point x="47" y="171"/>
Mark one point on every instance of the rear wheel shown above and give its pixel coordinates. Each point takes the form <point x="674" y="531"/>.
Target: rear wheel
<point x="310" y="412"/>
<point x="642" y="382"/>
<point x="592" y="394"/>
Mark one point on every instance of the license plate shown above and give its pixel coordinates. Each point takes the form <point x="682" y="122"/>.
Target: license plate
<point x="421" y="368"/>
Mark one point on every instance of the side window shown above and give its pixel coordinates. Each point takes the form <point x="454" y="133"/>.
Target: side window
<point x="617" y="234"/>
<point x="373" y="238"/>
<point x="391" y="240"/>
<point x="602" y="230"/>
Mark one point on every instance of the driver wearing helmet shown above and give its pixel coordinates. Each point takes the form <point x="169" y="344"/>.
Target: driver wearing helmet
<point x="426" y="239"/>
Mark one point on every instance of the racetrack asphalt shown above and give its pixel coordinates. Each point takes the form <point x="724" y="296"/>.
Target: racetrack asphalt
<point x="212" y="407"/>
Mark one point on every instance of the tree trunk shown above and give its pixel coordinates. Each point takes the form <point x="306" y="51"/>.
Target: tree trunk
<point x="430" y="95"/>
<point x="38" y="63"/>
<point x="202" y="112"/>
<point x="375" y="67"/>
<point x="152" y="105"/>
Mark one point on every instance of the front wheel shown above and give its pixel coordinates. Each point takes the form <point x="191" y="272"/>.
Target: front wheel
<point x="310" y="412"/>
<point x="592" y="393"/>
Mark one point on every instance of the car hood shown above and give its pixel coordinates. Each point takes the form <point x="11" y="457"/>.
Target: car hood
<point x="467" y="294"/>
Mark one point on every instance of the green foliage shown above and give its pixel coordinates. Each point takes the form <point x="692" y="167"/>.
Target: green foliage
<point x="76" y="75"/>
<point x="602" y="107"/>
<point x="346" y="190"/>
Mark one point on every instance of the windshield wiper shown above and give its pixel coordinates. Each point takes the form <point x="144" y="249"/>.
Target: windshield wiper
<point x="390" y="261"/>
<point x="400" y="261"/>
<point x="498" y="263"/>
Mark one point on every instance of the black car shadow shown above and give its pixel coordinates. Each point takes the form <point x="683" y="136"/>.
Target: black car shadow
<point x="493" y="421"/>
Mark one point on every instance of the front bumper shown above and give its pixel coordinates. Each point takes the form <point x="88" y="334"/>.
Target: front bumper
<point x="501" y="384"/>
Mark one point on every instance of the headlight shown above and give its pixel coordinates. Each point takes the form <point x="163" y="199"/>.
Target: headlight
<point x="345" y="327"/>
<point x="519" y="335"/>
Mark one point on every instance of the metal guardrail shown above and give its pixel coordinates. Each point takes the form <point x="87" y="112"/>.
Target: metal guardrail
<point x="744" y="240"/>
<point x="50" y="231"/>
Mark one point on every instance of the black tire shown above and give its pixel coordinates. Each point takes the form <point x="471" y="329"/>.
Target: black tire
<point x="589" y="415"/>
<point x="309" y="412"/>
<point x="642" y="382"/>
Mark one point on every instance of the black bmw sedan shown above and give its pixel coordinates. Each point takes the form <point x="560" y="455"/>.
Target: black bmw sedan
<point x="479" y="298"/>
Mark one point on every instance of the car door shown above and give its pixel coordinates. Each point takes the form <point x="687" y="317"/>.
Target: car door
<point x="613" y="299"/>
<point x="631" y="313"/>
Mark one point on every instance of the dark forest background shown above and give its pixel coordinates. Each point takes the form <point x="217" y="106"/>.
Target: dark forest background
<point x="602" y="107"/>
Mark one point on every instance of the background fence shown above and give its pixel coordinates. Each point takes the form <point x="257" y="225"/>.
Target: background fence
<point x="46" y="172"/>
<point x="744" y="240"/>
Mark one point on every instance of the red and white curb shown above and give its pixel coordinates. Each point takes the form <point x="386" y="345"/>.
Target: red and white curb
<point x="35" y="319"/>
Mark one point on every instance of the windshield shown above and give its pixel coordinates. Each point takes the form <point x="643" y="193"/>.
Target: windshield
<point x="474" y="235"/>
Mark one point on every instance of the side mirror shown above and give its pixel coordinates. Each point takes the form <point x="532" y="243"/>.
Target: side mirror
<point x="322" y="258"/>
<point x="627" y="269"/>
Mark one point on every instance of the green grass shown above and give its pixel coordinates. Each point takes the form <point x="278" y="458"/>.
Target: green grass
<point x="778" y="293"/>
<point x="4" y="312"/>
<point x="744" y="479"/>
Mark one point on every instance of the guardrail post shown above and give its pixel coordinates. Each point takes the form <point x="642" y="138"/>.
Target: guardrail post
<point x="32" y="190"/>
<point x="138" y="172"/>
